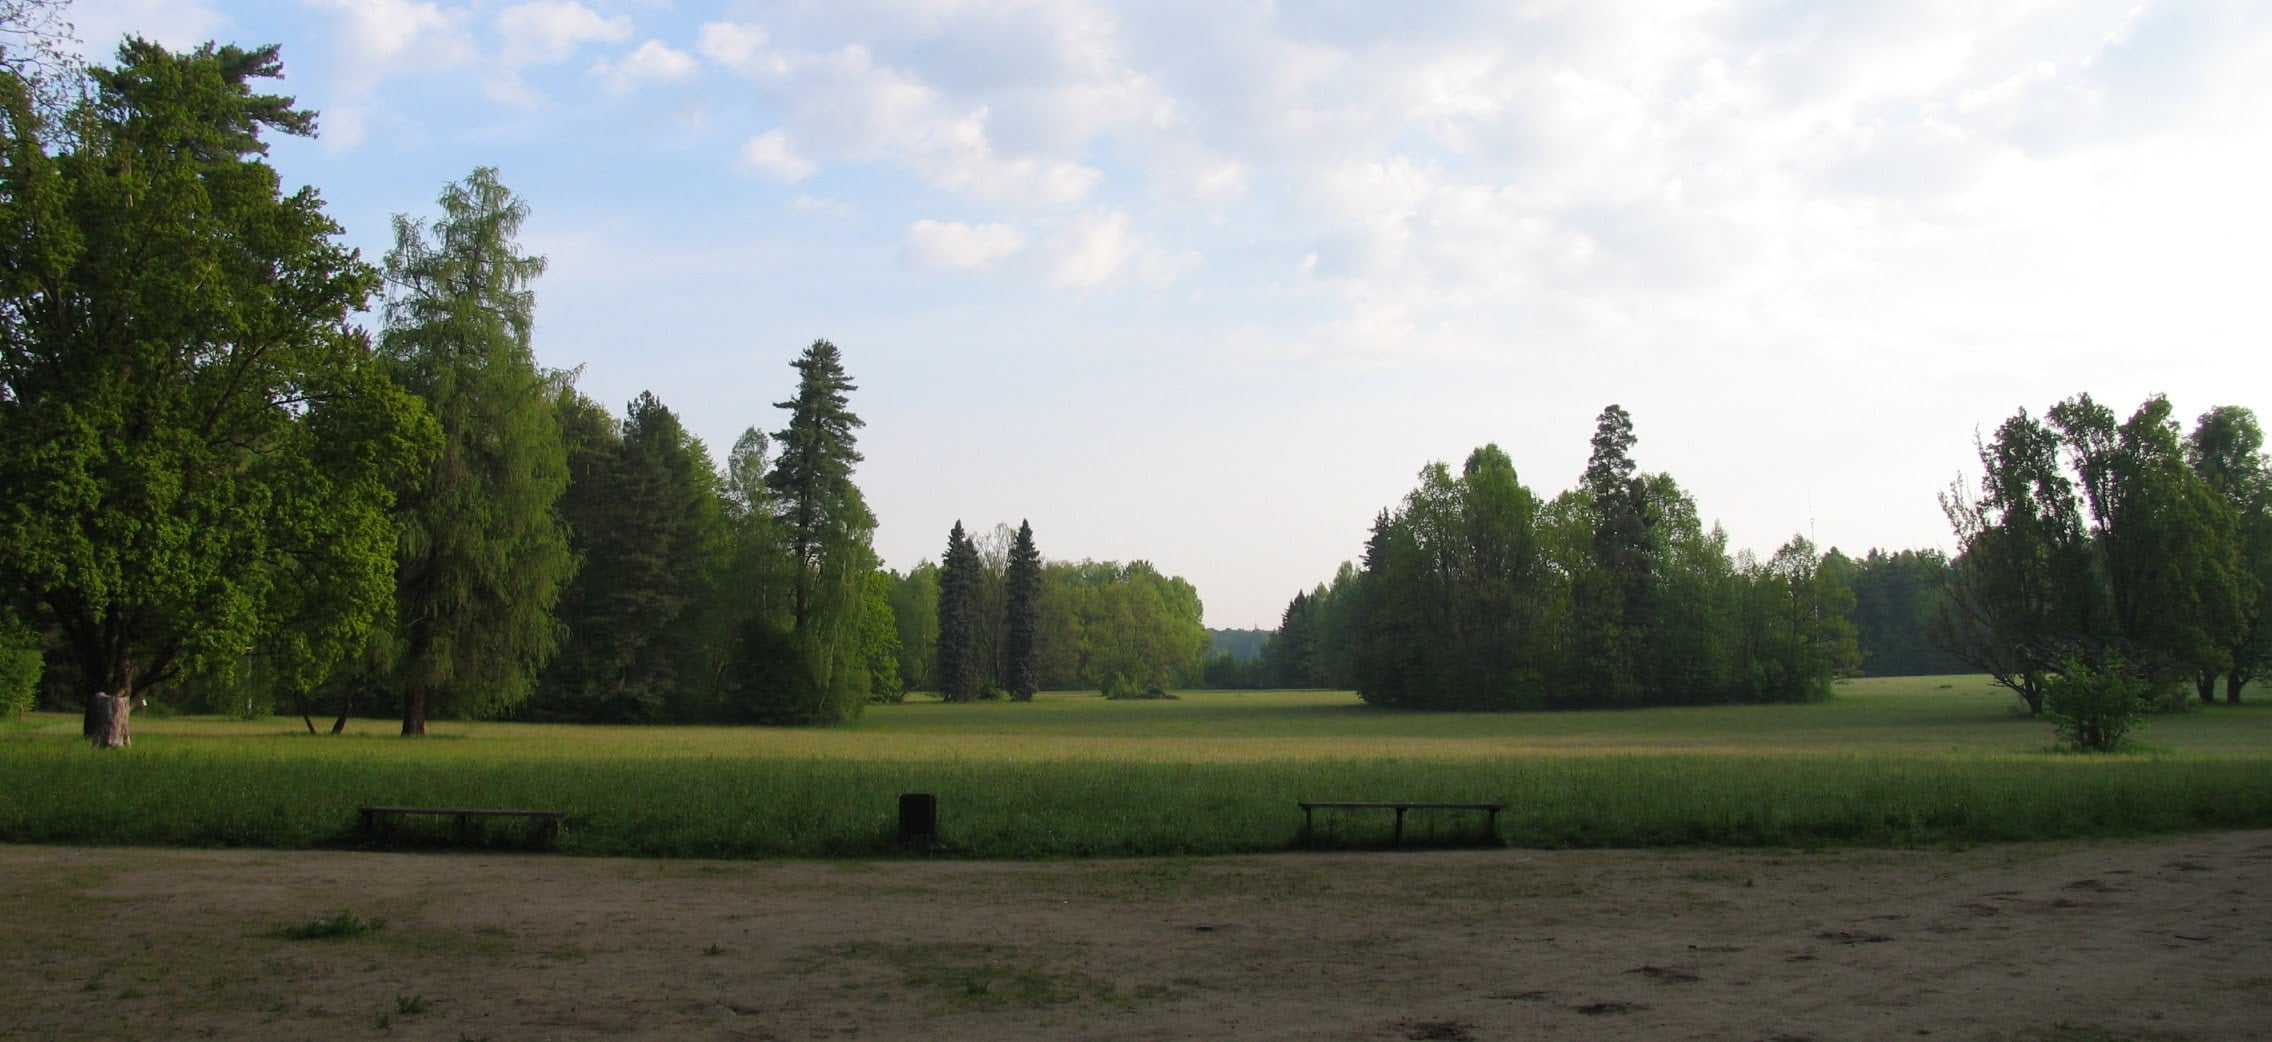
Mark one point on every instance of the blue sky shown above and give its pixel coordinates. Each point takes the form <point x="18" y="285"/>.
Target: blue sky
<point x="1206" y="283"/>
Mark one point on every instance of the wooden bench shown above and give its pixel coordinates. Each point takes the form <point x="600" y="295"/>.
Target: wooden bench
<point x="1309" y="807"/>
<point x="547" y="821"/>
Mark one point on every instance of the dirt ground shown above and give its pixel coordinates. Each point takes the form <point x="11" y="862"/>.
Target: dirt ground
<point x="2167" y="939"/>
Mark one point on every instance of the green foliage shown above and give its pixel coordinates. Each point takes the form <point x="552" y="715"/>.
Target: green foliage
<point x="960" y="671"/>
<point x="645" y="521"/>
<point x="2155" y="547"/>
<point x="1896" y="598"/>
<point x="1099" y="618"/>
<point x="915" y="611"/>
<point x="2095" y="708"/>
<point x="1475" y="595"/>
<point x="804" y="658"/>
<point x="2226" y="449"/>
<point x="483" y="554"/>
<point x="1023" y="615"/>
<point x="200" y="450"/>
<point x="20" y="667"/>
<point x="879" y="640"/>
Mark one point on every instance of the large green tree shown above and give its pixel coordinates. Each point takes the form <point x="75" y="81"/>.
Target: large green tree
<point x="815" y="668"/>
<point x="484" y="553"/>
<point x="960" y="670"/>
<point x="2164" y="539"/>
<point x="2226" y="449"/>
<point x="199" y="450"/>
<point x="2021" y="595"/>
<point x="644" y="518"/>
<point x="1611" y="592"/>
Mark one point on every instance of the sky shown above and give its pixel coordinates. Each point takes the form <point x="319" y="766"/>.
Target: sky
<point x="1208" y="282"/>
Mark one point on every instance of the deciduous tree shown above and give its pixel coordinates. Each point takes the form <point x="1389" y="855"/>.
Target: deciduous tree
<point x="200" y="451"/>
<point x="484" y="554"/>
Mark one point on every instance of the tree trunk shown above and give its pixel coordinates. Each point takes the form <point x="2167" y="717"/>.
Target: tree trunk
<point x="2233" y="684"/>
<point x="346" y="705"/>
<point x="414" y="710"/>
<point x="2205" y="684"/>
<point x="110" y="713"/>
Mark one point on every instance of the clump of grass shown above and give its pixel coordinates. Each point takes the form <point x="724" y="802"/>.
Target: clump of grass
<point x="410" y="1005"/>
<point x="340" y="924"/>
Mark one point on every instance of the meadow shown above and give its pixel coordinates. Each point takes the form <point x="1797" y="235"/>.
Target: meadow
<point x="1888" y="762"/>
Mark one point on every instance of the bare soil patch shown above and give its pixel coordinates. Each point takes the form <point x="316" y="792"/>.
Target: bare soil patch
<point x="2168" y="939"/>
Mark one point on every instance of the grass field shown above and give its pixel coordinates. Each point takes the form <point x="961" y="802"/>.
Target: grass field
<point x="1891" y="762"/>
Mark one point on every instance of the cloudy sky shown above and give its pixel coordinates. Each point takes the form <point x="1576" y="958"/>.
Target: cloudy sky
<point x="1206" y="282"/>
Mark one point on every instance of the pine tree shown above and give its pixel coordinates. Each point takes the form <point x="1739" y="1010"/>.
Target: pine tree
<point x="1024" y="612"/>
<point x="484" y="554"/>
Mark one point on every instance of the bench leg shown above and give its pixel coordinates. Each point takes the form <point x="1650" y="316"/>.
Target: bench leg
<point x="1398" y="839"/>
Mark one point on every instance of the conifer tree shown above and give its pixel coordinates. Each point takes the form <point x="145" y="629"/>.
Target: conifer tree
<point x="1024" y="613"/>
<point x="811" y="666"/>
<point x="819" y="506"/>
<point x="959" y="668"/>
<point x="484" y="554"/>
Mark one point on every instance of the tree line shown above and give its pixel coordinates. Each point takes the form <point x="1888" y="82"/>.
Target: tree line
<point x="1477" y="593"/>
<point x="994" y="619"/>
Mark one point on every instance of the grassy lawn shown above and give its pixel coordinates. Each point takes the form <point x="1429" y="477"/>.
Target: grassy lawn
<point x="1894" y="761"/>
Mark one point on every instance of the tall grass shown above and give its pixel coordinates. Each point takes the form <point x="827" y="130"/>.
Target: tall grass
<point x="1888" y="764"/>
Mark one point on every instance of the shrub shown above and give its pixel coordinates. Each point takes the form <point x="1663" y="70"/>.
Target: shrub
<point x="2096" y="708"/>
<point x="20" y="664"/>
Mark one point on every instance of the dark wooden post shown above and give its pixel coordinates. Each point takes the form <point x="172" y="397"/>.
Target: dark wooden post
<point x="918" y="817"/>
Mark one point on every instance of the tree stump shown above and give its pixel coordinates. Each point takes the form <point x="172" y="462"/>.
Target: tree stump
<point x="109" y="714"/>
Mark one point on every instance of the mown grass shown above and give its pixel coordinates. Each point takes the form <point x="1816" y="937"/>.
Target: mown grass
<point x="1904" y="762"/>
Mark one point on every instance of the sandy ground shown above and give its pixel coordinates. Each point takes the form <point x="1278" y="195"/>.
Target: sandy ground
<point x="2168" y="939"/>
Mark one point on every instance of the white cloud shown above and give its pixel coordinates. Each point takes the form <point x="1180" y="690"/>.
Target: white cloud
<point x="845" y="103"/>
<point x="771" y="153"/>
<point x="736" y="46"/>
<point x="176" y="24"/>
<point x="551" y="30"/>
<point x="384" y="38"/>
<point x="1099" y="248"/>
<point x="955" y="246"/>
<point x="653" y="61"/>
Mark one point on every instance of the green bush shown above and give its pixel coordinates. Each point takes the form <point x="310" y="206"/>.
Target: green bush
<point x="20" y="664"/>
<point x="2095" y="709"/>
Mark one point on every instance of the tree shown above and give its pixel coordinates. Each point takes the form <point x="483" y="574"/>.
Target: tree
<point x="645" y="522"/>
<point x="1457" y="613"/>
<point x="959" y="668"/>
<point x="200" y="450"/>
<point x="2021" y="596"/>
<point x="815" y="670"/>
<point x="1895" y="598"/>
<point x="1024" y="582"/>
<point x="915" y="610"/>
<point x="879" y="641"/>
<point x="1612" y="594"/>
<point x="2226" y="449"/>
<point x="2164" y="540"/>
<point x="813" y="476"/>
<point x="484" y="554"/>
<point x="1798" y="639"/>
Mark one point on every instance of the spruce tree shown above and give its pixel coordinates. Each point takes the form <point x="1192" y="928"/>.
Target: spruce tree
<point x="484" y="554"/>
<point x="815" y="670"/>
<point x="1024" y="613"/>
<point x="959" y="668"/>
<point x="813" y="476"/>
